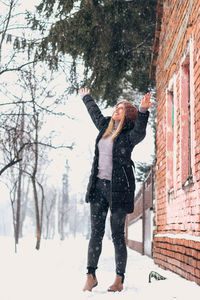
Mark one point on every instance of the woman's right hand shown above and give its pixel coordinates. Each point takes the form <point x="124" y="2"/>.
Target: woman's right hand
<point x="84" y="91"/>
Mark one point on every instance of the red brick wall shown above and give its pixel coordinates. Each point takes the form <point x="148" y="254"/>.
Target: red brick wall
<point x="178" y="209"/>
<point x="181" y="256"/>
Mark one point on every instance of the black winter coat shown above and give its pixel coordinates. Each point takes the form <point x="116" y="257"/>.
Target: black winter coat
<point x="123" y="181"/>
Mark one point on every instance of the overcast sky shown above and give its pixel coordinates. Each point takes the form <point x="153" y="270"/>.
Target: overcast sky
<point x="79" y="130"/>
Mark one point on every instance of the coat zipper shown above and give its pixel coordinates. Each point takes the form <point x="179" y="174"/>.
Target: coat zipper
<point x="111" y="197"/>
<point x="112" y="177"/>
<point x="111" y="193"/>
<point x="126" y="177"/>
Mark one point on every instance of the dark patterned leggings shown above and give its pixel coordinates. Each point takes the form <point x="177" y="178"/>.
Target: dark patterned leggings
<point x="98" y="213"/>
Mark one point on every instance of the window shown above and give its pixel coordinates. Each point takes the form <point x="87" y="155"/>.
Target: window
<point x="170" y="140"/>
<point x="186" y="163"/>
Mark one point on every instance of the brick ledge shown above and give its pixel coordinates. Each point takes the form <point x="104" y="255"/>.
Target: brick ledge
<point x="179" y="236"/>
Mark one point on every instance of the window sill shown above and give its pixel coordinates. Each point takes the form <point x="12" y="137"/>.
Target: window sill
<point x="188" y="182"/>
<point x="170" y="195"/>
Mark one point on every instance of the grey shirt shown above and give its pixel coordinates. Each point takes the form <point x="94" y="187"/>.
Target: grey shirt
<point x="105" y="147"/>
<point x="105" y="158"/>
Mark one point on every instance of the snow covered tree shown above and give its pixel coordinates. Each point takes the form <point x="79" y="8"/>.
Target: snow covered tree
<point x="113" y="38"/>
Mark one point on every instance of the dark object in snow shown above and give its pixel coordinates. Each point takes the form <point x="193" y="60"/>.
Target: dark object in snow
<point x="156" y="276"/>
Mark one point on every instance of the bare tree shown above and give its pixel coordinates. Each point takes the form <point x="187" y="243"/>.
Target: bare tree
<point x="64" y="206"/>
<point x="38" y="145"/>
<point x="14" y="144"/>
<point x="21" y="142"/>
<point x="49" y="211"/>
<point x="23" y="107"/>
<point x="24" y="202"/>
<point x="19" y="187"/>
<point x="15" y="39"/>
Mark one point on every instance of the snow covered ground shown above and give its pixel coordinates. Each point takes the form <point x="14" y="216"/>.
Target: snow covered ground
<point x="57" y="272"/>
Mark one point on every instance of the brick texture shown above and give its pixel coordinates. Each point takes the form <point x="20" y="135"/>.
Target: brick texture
<point x="178" y="212"/>
<point x="181" y="256"/>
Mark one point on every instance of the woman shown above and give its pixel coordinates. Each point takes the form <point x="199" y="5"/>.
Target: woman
<point x="112" y="183"/>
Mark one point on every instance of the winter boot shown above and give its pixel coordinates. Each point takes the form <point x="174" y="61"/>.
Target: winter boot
<point x="117" y="286"/>
<point x="91" y="282"/>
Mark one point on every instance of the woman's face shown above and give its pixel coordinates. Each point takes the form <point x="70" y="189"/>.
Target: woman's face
<point x="119" y="112"/>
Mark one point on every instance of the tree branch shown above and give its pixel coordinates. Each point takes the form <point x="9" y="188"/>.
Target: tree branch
<point x="57" y="147"/>
<point x="14" y="103"/>
<point x="6" y="26"/>
<point x="17" y="68"/>
<point x="13" y="162"/>
<point x="54" y="113"/>
<point x="17" y="159"/>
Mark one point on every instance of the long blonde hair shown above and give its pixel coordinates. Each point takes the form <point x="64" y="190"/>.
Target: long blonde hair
<point x="130" y="114"/>
<point x="110" y="128"/>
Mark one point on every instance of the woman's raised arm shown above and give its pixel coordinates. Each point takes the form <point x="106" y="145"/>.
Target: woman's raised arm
<point x="93" y="109"/>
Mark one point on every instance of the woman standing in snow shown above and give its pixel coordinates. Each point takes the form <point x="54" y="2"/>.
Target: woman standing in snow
<point x="112" y="183"/>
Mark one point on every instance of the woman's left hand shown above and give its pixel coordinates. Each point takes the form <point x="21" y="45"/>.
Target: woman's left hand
<point x="84" y="91"/>
<point x="145" y="102"/>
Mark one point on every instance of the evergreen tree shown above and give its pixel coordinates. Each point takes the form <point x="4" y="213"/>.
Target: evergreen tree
<point x="113" y="39"/>
<point x="142" y="170"/>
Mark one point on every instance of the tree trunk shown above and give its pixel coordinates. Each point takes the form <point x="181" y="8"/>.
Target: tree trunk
<point x="33" y="178"/>
<point x="37" y="213"/>
<point x="18" y="212"/>
<point x="47" y="227"/>
<point x="24" y="210"/>
<point x="19" y="187"/>
<point x="42" y="207"/>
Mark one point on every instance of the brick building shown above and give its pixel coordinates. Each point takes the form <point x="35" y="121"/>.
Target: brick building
<point x="176" y="68"/>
